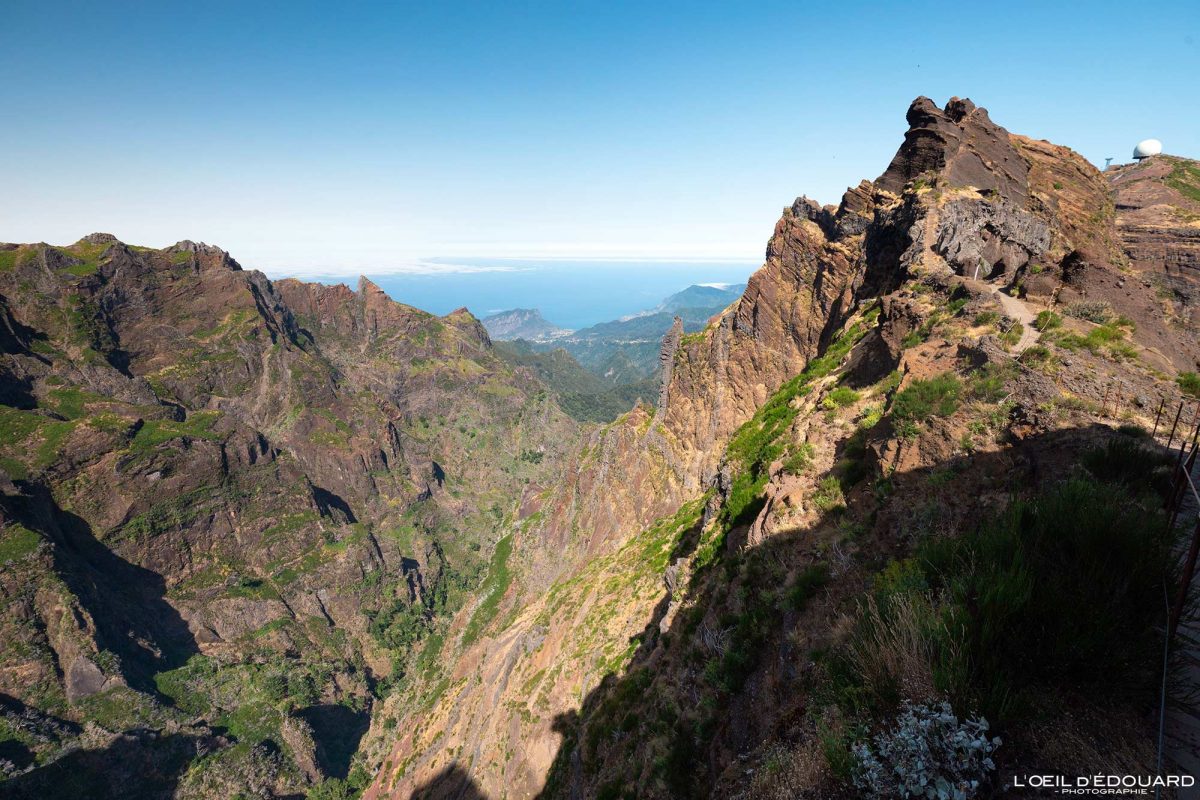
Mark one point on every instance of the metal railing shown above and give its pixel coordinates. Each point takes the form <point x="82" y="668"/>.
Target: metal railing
<point x="1182" y="485"/>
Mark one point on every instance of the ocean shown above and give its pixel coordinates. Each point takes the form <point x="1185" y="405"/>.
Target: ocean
<point x="572" y="294"/>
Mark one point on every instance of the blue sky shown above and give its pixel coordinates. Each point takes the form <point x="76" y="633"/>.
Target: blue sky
<point x="346" y="137"/>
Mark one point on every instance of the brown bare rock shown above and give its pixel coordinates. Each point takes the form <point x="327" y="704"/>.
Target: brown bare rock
<point x="960" y="144"/>
<point x="666" y="359"/>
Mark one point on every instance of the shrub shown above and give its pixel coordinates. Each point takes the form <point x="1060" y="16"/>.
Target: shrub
<point x="870" y="417"/>
<point x="1107" y="337"/>
<point x="1065" y="589"/>
<point x="331" y="789"/>
<point x="1125" y="459"/>
<point x="1189" y="382"/>
<point x="987" y="318"/>
<point x="1097" y="311"/>
<point x="850" y="471"/>
<point x="927" y="398"/>
<point x="987" y="382"/>
<point x="928" y="753"/>
<point x="807" y="584"/>
<point x="840" y="397"/>
<point x="1013" y="335"/>
<point x="1047" y="320"/>
<point x="902" y="648"/>
<point x="1037" y="355"/>
<point x="799" y="459"/>
<point x="890" y="383"/>
<point x="828" y="496"/>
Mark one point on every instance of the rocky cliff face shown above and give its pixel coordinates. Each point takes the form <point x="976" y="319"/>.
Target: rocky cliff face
<point x="236" y="508"/>
<point x="642" y="649"/>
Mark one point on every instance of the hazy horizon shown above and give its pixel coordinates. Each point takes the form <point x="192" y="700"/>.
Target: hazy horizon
<point x="570" y="293"/>
<point x="372" y="137"/>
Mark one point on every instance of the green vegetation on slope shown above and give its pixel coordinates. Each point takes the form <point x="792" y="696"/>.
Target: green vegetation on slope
<point x="924" y="399"/>
<point x="1185" y="179"/>
<point x="1056" y="594"/>
<point x="760" y="440"/>
<point x="492" y="591"/>
<point x="16" y="542"/>
<point x="581" y="394"/>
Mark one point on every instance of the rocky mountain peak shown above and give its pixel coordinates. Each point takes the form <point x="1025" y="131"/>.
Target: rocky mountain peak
<point x="368" y="288"/>
<point x="462" y="319"/>
<point x="961" y="144"/>
<point x="206" y="253"/>
<point x="522" y="323"/>
<point x="99" y="238"/>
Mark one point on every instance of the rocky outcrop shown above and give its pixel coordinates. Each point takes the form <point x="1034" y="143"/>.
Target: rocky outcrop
<point x="960" y="144"/>
<point x="989" y="240"/>
<point x="666" y="360"/>
<point x="298" y="736"/>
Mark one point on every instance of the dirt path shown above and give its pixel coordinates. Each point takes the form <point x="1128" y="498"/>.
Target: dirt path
<point x="1018" y="310"/>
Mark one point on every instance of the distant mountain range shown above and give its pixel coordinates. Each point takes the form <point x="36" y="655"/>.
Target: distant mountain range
<point x="622" y="352"/>
<point x="702" y="296"/>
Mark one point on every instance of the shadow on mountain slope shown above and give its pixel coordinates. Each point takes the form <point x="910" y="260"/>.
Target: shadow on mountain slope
<point x="735" y="671"/>
<point x="140" y="765"/>
<point x="126" y="602"/>
<point x="337" y="730"/>
<point x="452" y="783"/>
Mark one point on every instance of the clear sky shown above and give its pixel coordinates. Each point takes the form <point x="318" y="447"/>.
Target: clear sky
<point x="358" y="136"/>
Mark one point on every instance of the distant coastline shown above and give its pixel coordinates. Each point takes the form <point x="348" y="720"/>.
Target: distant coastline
<point x="571" y="293"/>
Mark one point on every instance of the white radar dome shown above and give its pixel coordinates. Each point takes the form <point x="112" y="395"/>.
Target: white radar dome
<point x="1147" y="148"/>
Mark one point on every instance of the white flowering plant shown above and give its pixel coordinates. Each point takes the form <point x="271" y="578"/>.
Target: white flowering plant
<point x="927" y="753"/>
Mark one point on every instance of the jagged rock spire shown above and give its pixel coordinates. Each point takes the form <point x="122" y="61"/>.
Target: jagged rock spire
<point x="961" y="144"/>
